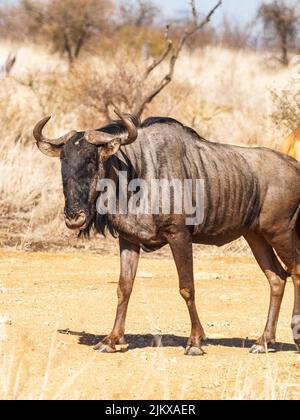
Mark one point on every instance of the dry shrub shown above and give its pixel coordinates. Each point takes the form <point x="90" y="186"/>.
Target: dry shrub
<point x="100" y="86"/>
<point x="146" y="42"/>
<point x="286" y="99"/>
<point x="287" y="107"/>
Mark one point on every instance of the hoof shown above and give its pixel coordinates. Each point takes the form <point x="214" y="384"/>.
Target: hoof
<point x="194" y="351"/>
<point x="104" y="348"/>
<point x="259" y="349"/>
<point x="123" y="348"/>
<point x="296" y="331"/>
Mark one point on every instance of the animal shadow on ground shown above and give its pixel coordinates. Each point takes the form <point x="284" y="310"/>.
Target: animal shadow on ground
<point x="136" y="341"/>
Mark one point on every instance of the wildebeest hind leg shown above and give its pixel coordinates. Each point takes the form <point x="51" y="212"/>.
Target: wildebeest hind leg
<point x="277" y="277"/>
<point x="182" y="249"/>
<point x="287" y="247"/>
<point x="129" y="263"/>
<point x="296" y="311"/>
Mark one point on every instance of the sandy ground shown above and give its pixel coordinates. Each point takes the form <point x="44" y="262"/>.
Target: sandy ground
<point x="43" y="293"/>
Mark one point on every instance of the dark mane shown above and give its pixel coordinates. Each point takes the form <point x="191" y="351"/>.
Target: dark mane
<point x="160" y="120"/>
<point x="102" y="225"/>
<point x="114" y="128"/>
<point x="117" y="127"/>
<point x="170" y="121"/>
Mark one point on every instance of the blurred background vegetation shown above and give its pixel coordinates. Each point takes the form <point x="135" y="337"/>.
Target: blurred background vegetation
<point x="233" y="81"/>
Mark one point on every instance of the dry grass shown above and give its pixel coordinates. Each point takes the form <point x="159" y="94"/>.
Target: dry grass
<point x="267" y="385"/>
<point x="225" y="95"/>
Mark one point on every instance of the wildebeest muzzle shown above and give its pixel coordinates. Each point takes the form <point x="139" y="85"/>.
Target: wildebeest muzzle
<point x="76" y="221"/>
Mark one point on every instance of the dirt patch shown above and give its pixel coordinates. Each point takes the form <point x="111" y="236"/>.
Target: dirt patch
<point x="56" y="306"/>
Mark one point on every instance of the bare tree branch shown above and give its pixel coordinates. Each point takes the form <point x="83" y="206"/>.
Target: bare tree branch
<point x="159" y="60"/>
<point x="195" y="27"/>
<point x="194" y="11"/>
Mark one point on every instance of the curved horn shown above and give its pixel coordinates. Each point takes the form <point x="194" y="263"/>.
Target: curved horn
<point x="101" y="138"/>
<point x="98" y="137"/>
<point x="129" y="123"/>
<point x="49" y="147"/>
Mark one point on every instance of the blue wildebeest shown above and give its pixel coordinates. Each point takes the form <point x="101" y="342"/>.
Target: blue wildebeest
<point x="249" y="192"/>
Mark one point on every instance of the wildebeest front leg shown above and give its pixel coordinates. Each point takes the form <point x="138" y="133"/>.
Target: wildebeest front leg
<point x="277" y="277"/>
<point x="129" y="263"/>
<point x="182" y="249"/>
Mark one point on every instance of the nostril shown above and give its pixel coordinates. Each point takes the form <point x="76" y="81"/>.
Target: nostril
<point x="75" y="221"/>
<point x="80" y="216"/>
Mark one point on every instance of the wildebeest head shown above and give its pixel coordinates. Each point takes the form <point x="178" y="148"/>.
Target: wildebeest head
<point x="82" y="155"/>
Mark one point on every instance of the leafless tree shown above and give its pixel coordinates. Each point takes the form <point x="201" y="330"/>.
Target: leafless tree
<point x="68" y="24"/>
<point x="281" y="24"/>
<point x="143" y="96"/>
<point x="234" y="35"/>
<point x="139" y="14"/>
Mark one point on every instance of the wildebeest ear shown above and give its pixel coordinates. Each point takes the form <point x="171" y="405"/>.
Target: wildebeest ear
<point x="109" y="149"/>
